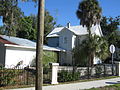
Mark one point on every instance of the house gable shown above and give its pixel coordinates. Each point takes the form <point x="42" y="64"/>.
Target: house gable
<point x="65" y="39"/>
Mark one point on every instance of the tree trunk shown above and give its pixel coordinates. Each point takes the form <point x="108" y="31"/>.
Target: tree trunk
<point x="39" y="47"/>
<point x="89" y="52"/>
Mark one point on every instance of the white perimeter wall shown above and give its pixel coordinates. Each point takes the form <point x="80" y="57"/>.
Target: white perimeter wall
<point x="15" y="55"/>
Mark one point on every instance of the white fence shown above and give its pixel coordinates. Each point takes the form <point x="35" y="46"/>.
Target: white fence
<point x="105" y="69"/>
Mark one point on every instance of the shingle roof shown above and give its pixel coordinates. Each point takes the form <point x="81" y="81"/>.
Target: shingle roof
<point x="78" y="30"/>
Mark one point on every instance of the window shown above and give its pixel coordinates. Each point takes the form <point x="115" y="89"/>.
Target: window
<point x="65" y="40"/>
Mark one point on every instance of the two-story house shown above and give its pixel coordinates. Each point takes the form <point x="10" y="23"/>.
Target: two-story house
<point x="67" y="37"/>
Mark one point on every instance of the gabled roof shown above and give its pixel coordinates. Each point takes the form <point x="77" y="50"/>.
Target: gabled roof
<point x="55" y="32"/>
<point x="77" y="30"/>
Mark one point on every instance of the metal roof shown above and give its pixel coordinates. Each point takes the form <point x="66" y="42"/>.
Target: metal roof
<point x="19" y="41"/>
<point x="4" y="41"/>
<point x="53" y="48"/>
<point x="24" y="43"/>
<point x="78" y="30"/>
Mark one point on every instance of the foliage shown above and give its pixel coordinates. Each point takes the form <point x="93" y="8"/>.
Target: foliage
<point x="98" y="47"/>
<point x="65" y="76"/>
<point x="16" y="24"/>
<point x="109" y="28"/>
<point x="1" y="30"/>
<point x="26" y="28"/>
<point x="49" y="25"/>
<point x="98" y="70"/>
<point x="80" y="55"/>
<point x="89" y="13"/>
<point x="109" y="25"/>
<point x="31" y="21"/>
<point x="7" y="76"/>
<point x="11" y="14"/>
<point x="48" y="57"/>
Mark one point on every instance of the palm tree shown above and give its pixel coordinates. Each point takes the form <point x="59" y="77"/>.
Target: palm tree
<point x="39" y="49"/>
<point x="99" y="48"/>
<point x="89" y="13"/>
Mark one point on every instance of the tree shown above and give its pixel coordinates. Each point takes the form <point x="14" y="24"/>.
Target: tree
<point x="27" y="29"/>
<point x="49" y="25"/>
<point x="89" y="13"/>
<point x="28" y="26"/>
<point x="109" y="28"/>
<point x="23" y="26"/>
<point x="11" y="14"/>
<point x="39" y="49"/>
<point x="99" y="49"/>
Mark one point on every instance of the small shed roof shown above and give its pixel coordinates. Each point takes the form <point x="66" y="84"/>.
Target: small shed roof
<point x="4" y="41"/>
<point x="10" y="41"/>
<point x="19" y="41"/>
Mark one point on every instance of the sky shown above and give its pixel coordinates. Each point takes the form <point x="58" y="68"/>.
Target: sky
<point x="64" y="11"/>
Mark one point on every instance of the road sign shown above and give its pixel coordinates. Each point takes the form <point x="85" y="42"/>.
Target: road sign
<point x="112" y="48"/>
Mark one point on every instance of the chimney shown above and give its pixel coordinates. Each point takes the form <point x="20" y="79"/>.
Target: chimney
<point x="68" y="25"/>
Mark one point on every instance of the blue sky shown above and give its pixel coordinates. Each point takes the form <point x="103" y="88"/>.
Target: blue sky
<point x="64" y="10"/>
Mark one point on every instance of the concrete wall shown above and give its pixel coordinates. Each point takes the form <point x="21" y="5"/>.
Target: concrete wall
<point x="15" y="55"/>
<point x="2" y="54"/>
<point x="53" y="41"/>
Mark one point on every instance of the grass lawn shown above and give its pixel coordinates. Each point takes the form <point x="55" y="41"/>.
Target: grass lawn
<point x="111" y="87"/>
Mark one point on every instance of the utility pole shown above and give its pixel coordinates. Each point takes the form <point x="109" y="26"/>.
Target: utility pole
<point x="39" y="46"/>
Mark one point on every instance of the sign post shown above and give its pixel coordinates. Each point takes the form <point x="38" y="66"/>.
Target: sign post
<point x="112" y="50"/>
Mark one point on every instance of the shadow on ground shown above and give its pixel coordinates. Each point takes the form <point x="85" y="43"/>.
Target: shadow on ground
<point x="118" y="82"/>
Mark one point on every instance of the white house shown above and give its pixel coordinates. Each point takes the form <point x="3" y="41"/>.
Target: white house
<point x="15" y="50"/>
<point x="67" y="38"/>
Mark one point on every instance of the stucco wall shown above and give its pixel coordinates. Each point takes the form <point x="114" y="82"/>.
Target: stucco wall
<point x="2" y="54"/>
<point x="15" y="55"/>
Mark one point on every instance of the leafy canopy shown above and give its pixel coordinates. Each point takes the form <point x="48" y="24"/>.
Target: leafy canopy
<point x="89" y="12"/>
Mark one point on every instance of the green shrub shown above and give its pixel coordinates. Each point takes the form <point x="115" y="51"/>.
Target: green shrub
<point x="65" y="76"/>
<point x="7" y="76"/>
<point x="48" y="57"/>
<point x="98" y="70"/>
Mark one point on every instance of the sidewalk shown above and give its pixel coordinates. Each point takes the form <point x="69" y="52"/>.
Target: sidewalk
<point x="78" y="86"/>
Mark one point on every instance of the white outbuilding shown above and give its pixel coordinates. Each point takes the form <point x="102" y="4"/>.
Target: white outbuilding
<point x="15" y="51"/>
